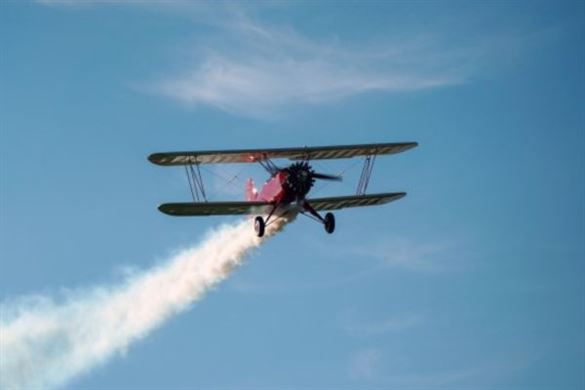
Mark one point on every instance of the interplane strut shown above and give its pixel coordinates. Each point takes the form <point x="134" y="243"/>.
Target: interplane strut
<point x="366" y="174"/>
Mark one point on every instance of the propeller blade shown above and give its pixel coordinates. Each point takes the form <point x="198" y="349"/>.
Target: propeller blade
<point x="324" y="176"/>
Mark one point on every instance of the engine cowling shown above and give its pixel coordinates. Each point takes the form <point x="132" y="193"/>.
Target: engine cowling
<point x="299" y="178"/>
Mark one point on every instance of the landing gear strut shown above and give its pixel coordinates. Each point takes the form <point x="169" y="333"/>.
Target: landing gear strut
<point x="328" y="222"/>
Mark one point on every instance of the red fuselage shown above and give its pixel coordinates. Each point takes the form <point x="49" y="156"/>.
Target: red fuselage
<point x="274" y="189"/>
<point x="285" y="185"/>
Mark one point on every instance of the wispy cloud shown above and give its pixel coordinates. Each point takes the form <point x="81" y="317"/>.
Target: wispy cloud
<point x="375" y="365"/>
<point x="81" y="3"/>
<point x="492" y="372"/>
<point x="242" y="64"/>
<point x="357" y="325"/>
<point x="255" y="69"/>
<point x="414" y="255"/>
<point x="245" y="66"/>
<point x="396" y="253"/>
<point x="364" y="364"/>
<point x="453" y="378"/>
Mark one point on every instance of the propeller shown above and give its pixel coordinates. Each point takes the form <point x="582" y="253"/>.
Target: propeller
<point x="325" y="176"/>
<point x="301" y="177"/>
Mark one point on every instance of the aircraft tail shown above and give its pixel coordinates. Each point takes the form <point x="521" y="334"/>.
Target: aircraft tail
<point x="251" y="191"/>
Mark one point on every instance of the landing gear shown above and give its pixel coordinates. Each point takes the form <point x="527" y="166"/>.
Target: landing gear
<point x="260" y="223"/>
<point x="329" y="223"/>
<point x="259" y="226"/>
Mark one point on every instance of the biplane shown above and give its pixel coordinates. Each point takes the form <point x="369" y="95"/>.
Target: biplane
<point x="287" y="188"/>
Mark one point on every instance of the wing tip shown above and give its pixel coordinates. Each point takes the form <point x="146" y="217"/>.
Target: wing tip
<point x="168" y="209"/>
<point x="155" y="158"/>
<point x="394" y="196"/>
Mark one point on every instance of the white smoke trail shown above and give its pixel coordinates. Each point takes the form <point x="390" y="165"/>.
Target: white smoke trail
<point x="44" y="344"/>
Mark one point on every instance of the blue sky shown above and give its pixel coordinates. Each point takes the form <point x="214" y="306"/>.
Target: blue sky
<point x="474" y="280"/>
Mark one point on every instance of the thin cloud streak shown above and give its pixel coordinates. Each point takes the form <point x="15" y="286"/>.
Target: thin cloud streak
<point x="415" y="256"/>
<point x="404" y="254"/>
<point x="364" y="364"/>
<point x="246" y="67"/>
<point x="357" y="325"/>
<point x="258" y="86"/>
<point x="255" y="70"/>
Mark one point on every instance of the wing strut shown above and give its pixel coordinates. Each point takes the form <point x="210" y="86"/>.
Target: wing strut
<point x="195" y="182"/>
<point x="268" y="165"/>
<point x="366" y="174"/>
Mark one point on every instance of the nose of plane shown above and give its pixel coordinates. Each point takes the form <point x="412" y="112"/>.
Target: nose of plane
<point x="299" y="179"/>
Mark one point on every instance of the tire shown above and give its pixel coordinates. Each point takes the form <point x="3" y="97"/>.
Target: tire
<point x="329" y="223"/>
<point x="259" y="226"/>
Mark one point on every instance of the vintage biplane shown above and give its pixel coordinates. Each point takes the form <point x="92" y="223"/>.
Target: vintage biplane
<point x="286" y="189"/>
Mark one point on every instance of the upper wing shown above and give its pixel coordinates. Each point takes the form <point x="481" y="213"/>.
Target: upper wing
<point x="213" y="208"/>
<point x="253" y="155"/>
<point x="341" y="202"/>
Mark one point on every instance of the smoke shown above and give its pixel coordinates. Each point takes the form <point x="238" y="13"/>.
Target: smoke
<point x="45" y="344"/>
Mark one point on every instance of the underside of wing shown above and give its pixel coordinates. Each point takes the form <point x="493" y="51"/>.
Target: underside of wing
<point x="213" y="208"/>
<point x="341" y="202"/>
<point x="254" y="155"/>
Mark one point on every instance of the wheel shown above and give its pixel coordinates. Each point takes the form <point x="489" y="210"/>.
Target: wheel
<point x="329" y="223"/>
<point x="259" y="226"/>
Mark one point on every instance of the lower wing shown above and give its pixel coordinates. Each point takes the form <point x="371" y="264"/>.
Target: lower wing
<point x="244" y="208"/>
<point x="341" y="202"/>
<point x="214" y="208"/>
